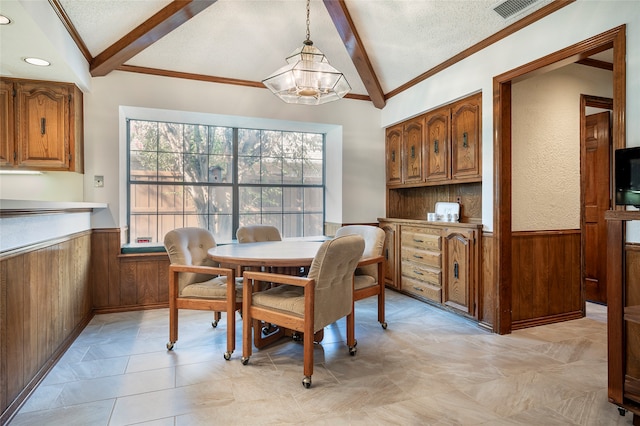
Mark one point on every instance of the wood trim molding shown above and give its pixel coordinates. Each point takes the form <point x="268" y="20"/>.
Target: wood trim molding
<point x="42" y="244"/>
<point x="211" y="79"/>
<point x="516" y="26"/>
<point x="73" y="32"/>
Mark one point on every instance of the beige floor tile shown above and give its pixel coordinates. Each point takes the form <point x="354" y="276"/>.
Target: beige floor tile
<point x="429" y="367"/>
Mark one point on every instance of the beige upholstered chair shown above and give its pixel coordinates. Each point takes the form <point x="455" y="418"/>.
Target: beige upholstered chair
<point x="305" y="304"/>
<point x="256" y="233"/>
<point x="369" y="279"/>
<point x="197" y="282"/>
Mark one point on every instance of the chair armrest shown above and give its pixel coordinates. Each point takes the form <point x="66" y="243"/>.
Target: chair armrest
<point x="277" y="278"/>
<point x="209" y="270"/>
<point x="370" y="261"/>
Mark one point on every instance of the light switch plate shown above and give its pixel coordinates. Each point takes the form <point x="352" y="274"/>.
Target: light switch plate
<point x="98" y="181"/>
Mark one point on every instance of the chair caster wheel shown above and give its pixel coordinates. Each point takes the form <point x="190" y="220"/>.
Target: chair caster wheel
<point x="296" y="337"/>
<point x="622" y="411"/>
<point x="214" y="324"/>
<point x="170" y="346"/>
<point x="227" y="356"/>
<point x="245" y="361"/>
<point x="384" y="325"/>
<point x="306" y="382"/>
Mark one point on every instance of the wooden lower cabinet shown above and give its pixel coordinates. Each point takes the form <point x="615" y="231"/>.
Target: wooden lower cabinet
<point x="437" y="262"/>
<point x="623" y="314"/>
<point x="389" y="250"/>
<point x="459" y="279"/>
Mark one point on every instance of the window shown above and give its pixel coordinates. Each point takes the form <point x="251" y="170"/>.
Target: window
<point x="222" y="177"/>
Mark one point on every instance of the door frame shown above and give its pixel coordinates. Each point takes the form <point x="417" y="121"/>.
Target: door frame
<point x="603" y="103"/>
<point x="613" y="39"/>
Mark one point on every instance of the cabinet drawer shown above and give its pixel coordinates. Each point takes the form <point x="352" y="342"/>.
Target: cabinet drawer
<point x="422" y="289"/>
<point x="430" y="258"/>
<point x="421" y="273"/>
<point x="421" y="238"/>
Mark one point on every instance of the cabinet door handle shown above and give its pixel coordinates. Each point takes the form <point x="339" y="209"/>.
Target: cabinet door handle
<point x="43" y="126"/>
<point x="413" y="151"/>
<point x="435" y="146"/>
<point x="393" y="156"/>
<point x="386" y="254"/>
<point x="465" y="140"/>
<point x="455" y="270"/>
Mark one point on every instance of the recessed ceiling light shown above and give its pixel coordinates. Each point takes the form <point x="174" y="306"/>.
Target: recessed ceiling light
<point x="4" y="20"/>
<point x="37" y="61"/>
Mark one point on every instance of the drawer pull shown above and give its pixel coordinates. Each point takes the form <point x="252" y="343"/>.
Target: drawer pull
<point x="417" y="272"/>
<point x="418" y="256"/>
<point x="418" y="288"/>
<point x="418" y="241"/>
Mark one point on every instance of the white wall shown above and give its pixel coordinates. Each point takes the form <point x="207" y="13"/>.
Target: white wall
<point x="355" y="170"/>
<point x="545" y="156"/>
<point x="572" y="24"/>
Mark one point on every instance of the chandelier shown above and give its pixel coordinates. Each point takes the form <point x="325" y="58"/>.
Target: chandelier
<point x="308" y="78"/>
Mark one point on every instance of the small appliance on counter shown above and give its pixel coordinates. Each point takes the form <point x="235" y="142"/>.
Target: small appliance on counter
<point x="445" y="212"/>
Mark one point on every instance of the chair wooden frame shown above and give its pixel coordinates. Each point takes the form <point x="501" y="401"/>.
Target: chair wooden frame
<point x="304" y="324"/>
<point x="229" y="304"/>
<point x="374" y="290"/>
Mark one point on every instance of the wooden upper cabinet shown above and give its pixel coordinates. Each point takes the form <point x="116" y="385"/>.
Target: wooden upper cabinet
<point x="46" y="126"/>
<point x="436" y="149"/>
<point x="466" y="150"/>
<point x="394" y="155"/>
<point x="42" y="126"/>
<point x="439" y="147"/>
<point x="412" y="150"/>
<point x="6" y="123"/>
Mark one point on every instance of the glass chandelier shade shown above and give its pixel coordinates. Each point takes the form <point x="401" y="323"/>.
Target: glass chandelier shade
<point x="308" y="78"/>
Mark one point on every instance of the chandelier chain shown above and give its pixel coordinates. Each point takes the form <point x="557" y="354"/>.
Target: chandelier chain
<point x="308" y="21"/>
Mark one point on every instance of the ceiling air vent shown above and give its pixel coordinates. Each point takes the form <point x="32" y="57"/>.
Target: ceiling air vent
<point x="511" y="7"/>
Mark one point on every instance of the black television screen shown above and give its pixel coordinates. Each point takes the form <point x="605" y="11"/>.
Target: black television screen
<point x="627" y="163"/>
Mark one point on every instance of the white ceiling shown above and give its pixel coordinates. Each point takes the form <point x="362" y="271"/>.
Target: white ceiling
<point x="249" y="39"/>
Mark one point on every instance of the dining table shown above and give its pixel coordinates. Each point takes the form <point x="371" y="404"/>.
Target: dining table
<point x="288" y="253"/>
<point x="291" y="256"/>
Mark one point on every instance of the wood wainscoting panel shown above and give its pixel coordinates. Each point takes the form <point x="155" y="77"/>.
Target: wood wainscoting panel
<point x="487" y="292"/>
<point x="546" y="277"/>
<point x="632" y="298"/>
<point x="124" y="282"/>
<point x="45" y="304"/>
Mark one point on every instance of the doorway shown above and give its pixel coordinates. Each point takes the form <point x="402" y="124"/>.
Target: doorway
<point x="614" y="39"/>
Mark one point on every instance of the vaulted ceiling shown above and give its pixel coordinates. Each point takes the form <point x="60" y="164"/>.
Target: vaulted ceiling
<point x="382" y="46"/>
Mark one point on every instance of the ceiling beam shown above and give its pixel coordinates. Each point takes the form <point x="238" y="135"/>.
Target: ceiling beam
<point x="144" y="35"/>
<point x="342" y="20"/>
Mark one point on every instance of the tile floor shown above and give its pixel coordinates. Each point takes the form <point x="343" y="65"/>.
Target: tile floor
<point x="428" y="367"/>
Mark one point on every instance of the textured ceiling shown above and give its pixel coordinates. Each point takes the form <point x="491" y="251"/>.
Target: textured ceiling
<point x="249" y="39"/>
